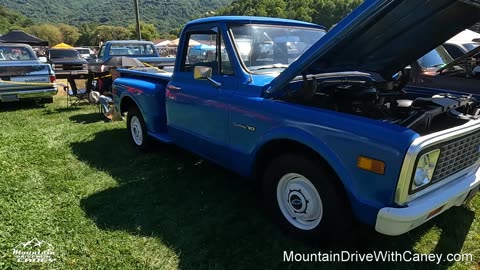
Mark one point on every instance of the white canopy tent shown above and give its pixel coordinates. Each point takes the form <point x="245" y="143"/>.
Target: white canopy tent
<point x="190" y="43"/>
<point x="165" y="43"/>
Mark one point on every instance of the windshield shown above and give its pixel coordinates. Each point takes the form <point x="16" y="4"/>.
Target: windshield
<point x="83" y="51"/>
<point x="262" y="47"/>
<point x="8" y="53"/>
<point x="64" y="54"/>
<point x="437" y="58"/>
<point x="132" y="49"/>
<point x="471" y="46"/>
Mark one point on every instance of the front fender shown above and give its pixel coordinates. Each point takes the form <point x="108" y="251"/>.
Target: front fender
<point x="367" y="192"/>
<point x="304" y="137"/>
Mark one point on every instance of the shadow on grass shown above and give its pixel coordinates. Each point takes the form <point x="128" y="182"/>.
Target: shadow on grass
<point x="214" y="220"/>
<point x="20" y="105"/>
<point x="51" y="111"/>
<point x="88" y="118"/>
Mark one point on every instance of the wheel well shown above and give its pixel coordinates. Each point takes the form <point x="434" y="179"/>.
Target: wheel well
<point x="276" y="148"/>
<point x="126" y="103"/>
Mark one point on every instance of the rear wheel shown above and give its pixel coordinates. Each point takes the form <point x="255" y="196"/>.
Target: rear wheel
<point x="137" y="128"/>
<point x="303" y="199"/>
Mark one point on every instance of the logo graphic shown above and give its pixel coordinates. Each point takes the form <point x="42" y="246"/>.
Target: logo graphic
<point x="34" y="251"/>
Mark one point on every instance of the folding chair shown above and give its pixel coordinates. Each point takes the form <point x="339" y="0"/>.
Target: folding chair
<point x="74" y="95"/>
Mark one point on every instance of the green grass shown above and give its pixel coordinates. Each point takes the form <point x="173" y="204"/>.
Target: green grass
<point x="68" y="178"/>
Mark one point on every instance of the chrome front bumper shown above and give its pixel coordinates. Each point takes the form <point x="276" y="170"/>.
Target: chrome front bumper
<point x="14" y="95"/>
<point x="416" y="208"/>
<point x="396" y="221"/>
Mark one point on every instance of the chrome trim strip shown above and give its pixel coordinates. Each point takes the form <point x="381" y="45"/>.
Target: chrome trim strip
<point x="403" y="185"/>
<point x="38" y="93"/>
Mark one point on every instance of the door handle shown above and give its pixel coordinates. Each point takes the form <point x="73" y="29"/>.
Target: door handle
<point x="173" y="88"/>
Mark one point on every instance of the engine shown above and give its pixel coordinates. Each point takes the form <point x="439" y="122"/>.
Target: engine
<point x="424" y="115"/>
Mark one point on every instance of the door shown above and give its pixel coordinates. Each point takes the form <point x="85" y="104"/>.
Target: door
<point x="197" y="110"/>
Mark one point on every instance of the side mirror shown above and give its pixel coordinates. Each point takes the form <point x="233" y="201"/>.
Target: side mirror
<point x="202" y="73"/>
<point x="205" y="73"/>
<point x="42" y="59"/>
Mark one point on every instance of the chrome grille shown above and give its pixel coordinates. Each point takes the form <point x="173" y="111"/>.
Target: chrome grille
<point x="457" y="155"/>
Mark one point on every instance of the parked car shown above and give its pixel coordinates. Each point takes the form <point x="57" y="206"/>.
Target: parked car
<point x="331" y="136"/>
<point x="85" y="53"/>
<point x="23" y="76"/>
<point x="67" y="62"/>
<point x="437" y="72"/>
<point x="462" y="43"/>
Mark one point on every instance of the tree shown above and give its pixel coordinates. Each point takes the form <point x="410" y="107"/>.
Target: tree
<point x="70" y="34"/>
<point x="48" y="32"/>
<point x="86" y="31"/>
<point x="148" y="31"/>
<point x="11" y="20"/>
<point x="324" y="12"/>
<point x="108" y="32"/>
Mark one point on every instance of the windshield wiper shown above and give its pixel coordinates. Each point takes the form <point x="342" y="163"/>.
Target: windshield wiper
<point x="269" y="67"/>
<point x="438" y="65"/>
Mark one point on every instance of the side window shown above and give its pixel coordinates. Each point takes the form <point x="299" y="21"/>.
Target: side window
<point x="206" y="49"/>
<point x="226" y="64"/>
<point x="102" y="50"/>
<point x="453" y="50"/>
<point x="201" y="51"/>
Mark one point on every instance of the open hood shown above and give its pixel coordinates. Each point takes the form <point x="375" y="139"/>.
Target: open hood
<point x="382" y="36"/>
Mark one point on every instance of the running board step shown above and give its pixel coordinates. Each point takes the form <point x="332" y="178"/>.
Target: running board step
<point x="163" y="137"/>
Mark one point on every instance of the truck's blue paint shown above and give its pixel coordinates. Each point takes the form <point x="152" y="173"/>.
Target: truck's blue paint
<point x="231" y="124"/>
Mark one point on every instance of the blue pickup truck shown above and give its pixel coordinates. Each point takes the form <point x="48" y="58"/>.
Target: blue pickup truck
<point x="144" y="51"/>
<point x="320" y="119"/>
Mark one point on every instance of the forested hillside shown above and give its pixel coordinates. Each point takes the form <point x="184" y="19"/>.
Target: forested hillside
<point x="10" y="19"/>
<point x="85" y="22"/>
<point x="165" y="14"/>
<point x="324" y="12"/>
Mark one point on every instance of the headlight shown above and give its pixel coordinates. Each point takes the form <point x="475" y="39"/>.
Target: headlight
<point x="425" y="168"/>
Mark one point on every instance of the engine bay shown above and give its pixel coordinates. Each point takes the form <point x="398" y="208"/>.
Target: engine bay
<point x="386" y="101"/>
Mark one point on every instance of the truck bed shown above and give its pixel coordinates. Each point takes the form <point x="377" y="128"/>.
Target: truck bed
<point x="146" y="88"/>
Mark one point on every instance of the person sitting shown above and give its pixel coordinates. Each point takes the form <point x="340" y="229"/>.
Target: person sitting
<point x="104" y="96"/>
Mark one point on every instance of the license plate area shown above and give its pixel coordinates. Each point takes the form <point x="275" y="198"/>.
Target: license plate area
<point x="9" y="98"/>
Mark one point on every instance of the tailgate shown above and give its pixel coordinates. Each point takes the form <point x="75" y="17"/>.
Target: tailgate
<point x="25" y="77"/>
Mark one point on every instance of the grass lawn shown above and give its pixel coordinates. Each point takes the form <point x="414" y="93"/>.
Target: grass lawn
<point x="68" y="178"/>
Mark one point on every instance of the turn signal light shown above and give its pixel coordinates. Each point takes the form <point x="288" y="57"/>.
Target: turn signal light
<point x="434" y="212"/>
<point x="371" y="165"/>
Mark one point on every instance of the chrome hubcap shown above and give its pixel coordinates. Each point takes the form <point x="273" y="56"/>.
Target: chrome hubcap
<point x="136" y="130"/>
<point x="299" y="201"/>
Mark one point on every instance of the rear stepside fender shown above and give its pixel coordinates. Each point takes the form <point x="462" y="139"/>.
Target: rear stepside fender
<point x="147" y="96"/>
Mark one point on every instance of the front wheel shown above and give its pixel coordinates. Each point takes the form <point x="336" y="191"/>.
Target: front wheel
<point x="303" y="199"/>
<point x="137" y="128"/>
